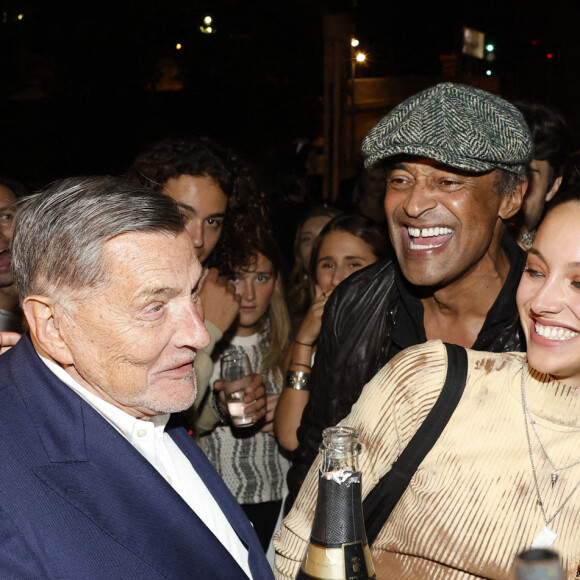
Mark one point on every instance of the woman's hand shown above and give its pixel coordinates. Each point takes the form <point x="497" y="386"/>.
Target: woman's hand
<point x="8" y="340"/>
<point x="292" y="401"/>
<point x="254" y="399"/>
<point x="310" y="328"/>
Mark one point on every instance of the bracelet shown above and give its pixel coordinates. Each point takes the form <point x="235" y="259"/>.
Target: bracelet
<point x="297" y="380"/>
<point x="300" y="365"/>
<point x="303" y="343"/>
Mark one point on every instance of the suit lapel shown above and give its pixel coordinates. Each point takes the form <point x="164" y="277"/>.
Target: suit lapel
<point x="120" y="492"/>
<point x="258" y="564"/>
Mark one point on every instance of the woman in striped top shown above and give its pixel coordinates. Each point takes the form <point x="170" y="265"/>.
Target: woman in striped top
<point x="249" y="459"/>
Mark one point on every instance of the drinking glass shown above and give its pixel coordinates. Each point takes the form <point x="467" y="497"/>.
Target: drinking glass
<point x="235" y="367"/>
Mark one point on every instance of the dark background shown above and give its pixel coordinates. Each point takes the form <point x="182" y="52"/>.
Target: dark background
<point x="78" y="88"/>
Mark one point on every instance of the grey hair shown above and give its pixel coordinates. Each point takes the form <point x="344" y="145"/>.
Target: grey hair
<point x="507" y="182"/>
<point x="60" y="232"/>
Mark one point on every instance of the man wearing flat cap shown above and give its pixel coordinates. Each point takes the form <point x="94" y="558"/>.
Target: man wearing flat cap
<point x="95" y="482"/>
<point x="455" y="159"/>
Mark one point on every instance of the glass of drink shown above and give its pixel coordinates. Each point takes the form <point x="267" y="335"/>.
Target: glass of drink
<point x="235" y="367"/>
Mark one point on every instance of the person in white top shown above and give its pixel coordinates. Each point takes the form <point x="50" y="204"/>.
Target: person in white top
<point x="95" y="481"/>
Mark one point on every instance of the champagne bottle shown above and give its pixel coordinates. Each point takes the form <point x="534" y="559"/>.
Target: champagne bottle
<point x="338" y="547"/>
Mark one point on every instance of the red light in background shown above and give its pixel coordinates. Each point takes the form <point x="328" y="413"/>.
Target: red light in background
<point x="549" y="55"/>
<point x="534" y="42"/>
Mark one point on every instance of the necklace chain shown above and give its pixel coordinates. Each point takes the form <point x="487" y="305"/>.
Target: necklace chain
<point x="555" y="474"/>
<point x="526" y="418"/>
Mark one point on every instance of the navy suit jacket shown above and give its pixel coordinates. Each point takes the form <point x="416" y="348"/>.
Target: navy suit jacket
<point x="78" y="501"/>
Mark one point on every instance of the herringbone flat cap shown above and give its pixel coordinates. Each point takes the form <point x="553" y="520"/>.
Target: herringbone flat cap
<point x="455" y="124"/>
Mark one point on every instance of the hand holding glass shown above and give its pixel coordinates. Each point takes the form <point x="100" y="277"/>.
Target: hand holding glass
<point x="234" y="368"/>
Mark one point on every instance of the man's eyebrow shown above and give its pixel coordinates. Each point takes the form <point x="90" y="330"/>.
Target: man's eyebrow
<point x="186" y="207"/>
<point x="150" y="291"/>
<point x="5" y="207"/>
<point x="191" y="209"/>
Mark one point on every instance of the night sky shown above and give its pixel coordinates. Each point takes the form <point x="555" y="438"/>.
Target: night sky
<point x="78" y="90"/>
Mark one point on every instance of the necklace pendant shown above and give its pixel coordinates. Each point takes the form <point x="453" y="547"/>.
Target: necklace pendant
<point x="554" y="478"/>
<point x="545" y="538"/>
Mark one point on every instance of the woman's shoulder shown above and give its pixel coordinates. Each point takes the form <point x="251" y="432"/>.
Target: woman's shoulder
<point x="418" y="358"/>
<point x="422" y="368"/>
<point x="396" y="401"/>
<point x="410" y="374"/>
<point x="431" y="352"/>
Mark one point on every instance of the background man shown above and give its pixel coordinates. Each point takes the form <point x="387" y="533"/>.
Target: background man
<point x="214" y="192"/>
<point x="95" y="484"/>
<point x="546" y="171"/>
<point x="455" y="159"/>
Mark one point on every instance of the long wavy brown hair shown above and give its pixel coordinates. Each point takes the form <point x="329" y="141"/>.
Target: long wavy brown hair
<point x="203" y="157"/>
<point x="277" y="319"/>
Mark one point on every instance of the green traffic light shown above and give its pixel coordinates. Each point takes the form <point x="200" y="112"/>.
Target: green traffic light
<point x="489" y="47"/>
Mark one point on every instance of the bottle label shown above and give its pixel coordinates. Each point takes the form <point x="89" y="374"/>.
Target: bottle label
<point x="351" y="562"/>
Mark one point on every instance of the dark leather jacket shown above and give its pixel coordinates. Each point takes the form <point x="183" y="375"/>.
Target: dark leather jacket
<point x="355" y="342"/>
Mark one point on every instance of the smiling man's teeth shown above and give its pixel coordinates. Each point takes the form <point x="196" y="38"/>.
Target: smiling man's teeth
<point x="555" y="332"/>
<point x="426" y="233"/>
<point x="429" y="232"/>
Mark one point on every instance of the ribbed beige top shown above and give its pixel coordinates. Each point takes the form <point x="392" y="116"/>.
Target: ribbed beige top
<point x="471" y="506"/>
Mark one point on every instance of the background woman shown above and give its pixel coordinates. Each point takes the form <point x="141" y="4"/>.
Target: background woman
<point x="249" y="459"/>
<point x="300" y="286"/>
<point x="346" y="244"/>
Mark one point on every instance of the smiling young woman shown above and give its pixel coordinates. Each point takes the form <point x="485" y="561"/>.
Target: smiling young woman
<point x="345" y="245"/>
<point x="549" y="295"/>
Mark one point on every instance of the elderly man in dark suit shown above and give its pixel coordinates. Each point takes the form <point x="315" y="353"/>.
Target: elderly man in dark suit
<point x="95" y="483"/>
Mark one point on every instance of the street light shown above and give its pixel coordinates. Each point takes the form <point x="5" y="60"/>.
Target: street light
<point x="206" y="28"/>
<point x="356" y="57"/>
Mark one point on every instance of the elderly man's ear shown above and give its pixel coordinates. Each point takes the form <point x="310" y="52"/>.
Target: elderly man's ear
<point x="44" y="319"/>
<point x="512" y="202"/>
